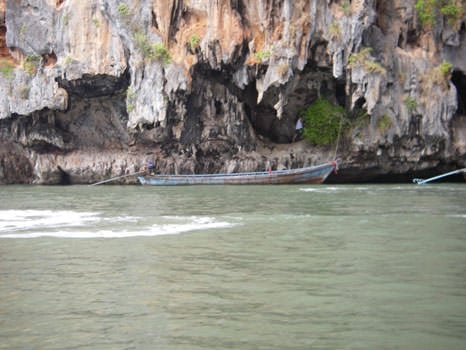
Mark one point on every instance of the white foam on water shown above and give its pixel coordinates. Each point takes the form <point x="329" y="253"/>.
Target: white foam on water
<point x="457" y="216"/>
<point x="331" y="189"/>
<point x="45" y="223"/>
<point x="21" y="220"/>
<point x="320" y="189"/>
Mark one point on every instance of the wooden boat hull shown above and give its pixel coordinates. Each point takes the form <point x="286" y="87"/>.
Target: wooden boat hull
<point x="308" y="175"/>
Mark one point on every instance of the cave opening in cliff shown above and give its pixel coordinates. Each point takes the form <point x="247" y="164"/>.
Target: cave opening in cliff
<point x="360" y="102"/>
<point x="64" y="177"/>
<point x="358" y="109"/>
<point x="278" y="124"/>
<point x="98" y="85"/>
<point x="458" y="78"/>
<point x="264" y="119"/>
<point x="340" y="93"/>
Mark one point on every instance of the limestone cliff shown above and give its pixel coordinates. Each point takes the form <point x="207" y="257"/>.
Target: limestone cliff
<point x="91" y="89"/>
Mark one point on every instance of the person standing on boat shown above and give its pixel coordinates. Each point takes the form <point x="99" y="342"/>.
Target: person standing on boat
<point x="268" y="167"/>
<point x="150" y="167"/>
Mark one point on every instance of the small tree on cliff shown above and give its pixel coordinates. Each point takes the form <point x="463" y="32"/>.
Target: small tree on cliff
<point x="151" y="50"/>
<point x="431" y="11"/>
<point x="323" y="122"/>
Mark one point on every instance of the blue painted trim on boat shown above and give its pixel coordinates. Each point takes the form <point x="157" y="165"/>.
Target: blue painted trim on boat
<point x="312" y="174"/>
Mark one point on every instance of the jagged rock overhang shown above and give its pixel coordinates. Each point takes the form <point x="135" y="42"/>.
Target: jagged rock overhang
<point x="98" y="85"/>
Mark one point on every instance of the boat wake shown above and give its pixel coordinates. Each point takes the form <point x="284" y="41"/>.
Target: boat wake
<point x="70" y="224"/>
<point x="23" y="220"/>
<point x="332" y="189"/>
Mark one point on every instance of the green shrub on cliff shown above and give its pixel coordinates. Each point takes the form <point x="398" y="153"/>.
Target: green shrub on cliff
<point x="150" y="50"/>
<point x="322" y="122"/>
<point x="130" y="99"/>
<point x="384" y="123"/>
<point x="334" y="30"/>
<point x="123" y="10"/>
<point x="445" y="69"/>
<point x="161" y="53"/>
<point x="410" y="103"/>
<point x="194" y="41"/>
<point x="430" y="10"/>
<point x="6" y="68"/>
<point x="453" y="10"/>
<point x="437" y="76"/>
<point x="261" y="56"/>
<point x="426" y="11"/>
<point x="31" y="63"/>
<point x="363" y="59"/>
<point x="346" y="7"/>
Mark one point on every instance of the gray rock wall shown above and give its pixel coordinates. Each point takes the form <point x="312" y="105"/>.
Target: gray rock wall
<point x="208" y="86"/>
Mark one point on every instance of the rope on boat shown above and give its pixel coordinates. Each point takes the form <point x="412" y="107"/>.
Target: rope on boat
<point x="117" y="178"/>
<point x="422" y="181"/>
<point x="338" y="139"/>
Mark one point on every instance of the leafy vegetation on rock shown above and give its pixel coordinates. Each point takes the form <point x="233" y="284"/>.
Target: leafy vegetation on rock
<point x="261" y="56"/>
<point x="429" y="11"/>
<point x="363" y="59"/>
<point x="410" y="103"/>
<point x="194" y="41"/>
<point x="151" y="50"/>
<point x="31" y="63"/>
<point x="384" y="122"/>
<point x="322" y="122"/>
<point x="437" y="76"/>
<point x="6" y="68"/>
<point x="124" y="10"/>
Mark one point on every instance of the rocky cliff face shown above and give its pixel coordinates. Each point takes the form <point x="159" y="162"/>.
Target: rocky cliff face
<point x="92" y="89"/>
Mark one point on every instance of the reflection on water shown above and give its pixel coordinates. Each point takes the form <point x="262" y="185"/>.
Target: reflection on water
<point x="256" y="267"/>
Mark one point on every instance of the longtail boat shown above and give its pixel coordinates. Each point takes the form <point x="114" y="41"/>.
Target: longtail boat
<point x="454" y="172"/>
<point x="308" y="175"/>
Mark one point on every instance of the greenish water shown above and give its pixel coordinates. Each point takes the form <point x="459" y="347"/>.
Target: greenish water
<point x="253" y="267"/>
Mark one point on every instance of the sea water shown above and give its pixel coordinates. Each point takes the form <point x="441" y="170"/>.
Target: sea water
<point x="233" y="267"/>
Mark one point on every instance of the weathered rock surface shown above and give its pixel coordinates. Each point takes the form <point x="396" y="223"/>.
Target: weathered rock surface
<point x="92" y="89"/>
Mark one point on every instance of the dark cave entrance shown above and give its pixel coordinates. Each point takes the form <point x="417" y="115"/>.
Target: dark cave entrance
<point x="301" y="91"/>
<point x="360" y="102"/>
<point x="359" y="108"/>
<point x="64" y="177"/>
<point x="340" y="92"/>
<point x="458" y="78"/>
